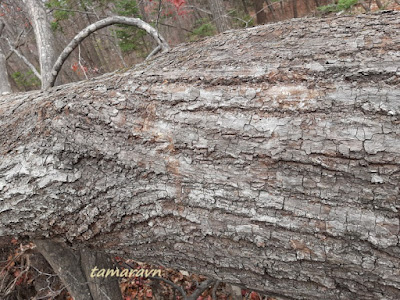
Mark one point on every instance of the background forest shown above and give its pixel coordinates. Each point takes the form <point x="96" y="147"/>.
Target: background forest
<point x="122" y="46"/>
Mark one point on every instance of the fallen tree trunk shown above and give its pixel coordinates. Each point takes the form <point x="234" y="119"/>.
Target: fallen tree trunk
<point x="267" y="157"/>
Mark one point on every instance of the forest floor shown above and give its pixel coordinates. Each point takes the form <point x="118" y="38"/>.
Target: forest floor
<point x="26" y="275"/>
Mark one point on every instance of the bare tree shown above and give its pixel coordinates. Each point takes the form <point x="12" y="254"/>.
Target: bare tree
<point x="44" y="39"/>
<point x="4" y="82"/>
<point x="294" y="6"/>
<point x="49" y="66"/>
<point x="266" y="166"/>
<point x="219" y="15"/>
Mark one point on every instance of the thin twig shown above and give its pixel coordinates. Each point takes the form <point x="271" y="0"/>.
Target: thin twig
<point x="79" y="61"/>
<point x="73" y="10"/>
<point x="200" y="289"/>
<point x="168" y="25"/>
<point x="176" y="287"/>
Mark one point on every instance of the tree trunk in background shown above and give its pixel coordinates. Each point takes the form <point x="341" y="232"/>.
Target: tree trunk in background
<point x="307" y="6"/>
<point x="260" y="13"/>
<point x="294" y="5"/>
<point x="271" y="8"/>
<point x="268" y="158"/>
<point x="364" y="5"/>
<point x="219" y="15"/>
<point x="44" y="39"/>
<point x="4" y="83"/>
<point x="246" y="11"/>
<point x="379" y="4"/>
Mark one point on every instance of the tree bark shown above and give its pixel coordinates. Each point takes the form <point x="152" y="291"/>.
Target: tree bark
<point x="219" y="15"/>
<point x="268" y="158"/>
<point x="44" y="39"/>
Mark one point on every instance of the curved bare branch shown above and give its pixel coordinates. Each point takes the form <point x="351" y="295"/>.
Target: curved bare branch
<point x="99" y="25"/>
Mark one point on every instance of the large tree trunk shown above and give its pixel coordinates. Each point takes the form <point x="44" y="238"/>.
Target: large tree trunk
<point x="268" y="158"/>
<point x="44" y="39"/>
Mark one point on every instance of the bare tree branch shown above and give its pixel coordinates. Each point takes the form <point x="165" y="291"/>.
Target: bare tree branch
<point x="174" y="286"/>
<point x="200" y="289"/>
<point x="74" y="10"/>
<point x="364" y="5"/>
<point x="169" y="25"/>
<point x="214" y="290"/>
<point x="101" y="24"/>
<point x="23" y="58"/>
<point x="154" y="52"/>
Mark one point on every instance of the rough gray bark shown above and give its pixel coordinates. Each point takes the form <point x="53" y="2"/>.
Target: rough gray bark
<point x="44" y="39"/>
<point x="267" y="157"/>
<point x="219" y="15"/>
